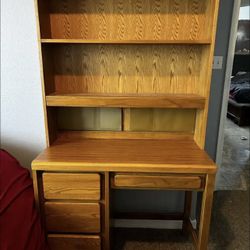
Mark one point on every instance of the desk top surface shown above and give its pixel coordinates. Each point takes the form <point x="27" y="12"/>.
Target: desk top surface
<point x="125" y="155"/>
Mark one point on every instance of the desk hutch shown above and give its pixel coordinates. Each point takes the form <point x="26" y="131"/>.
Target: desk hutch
<point x="126" y="87"/>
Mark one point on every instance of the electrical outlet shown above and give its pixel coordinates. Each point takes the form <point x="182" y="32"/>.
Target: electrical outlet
<point x="218" y="62"/>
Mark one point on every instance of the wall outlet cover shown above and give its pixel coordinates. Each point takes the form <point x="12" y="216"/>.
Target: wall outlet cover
<point x="218" y="62"/>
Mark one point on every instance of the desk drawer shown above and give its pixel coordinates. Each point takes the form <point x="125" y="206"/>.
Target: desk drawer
<point x="71" y="186"/>
<point x="177" y="182"/>
<point x="72" y="217"/>
<point x="74" y="242"/>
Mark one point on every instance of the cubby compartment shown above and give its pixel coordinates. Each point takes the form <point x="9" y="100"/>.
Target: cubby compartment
<point x="89" y="119"/>
<point x="122" y="20"/>
<point x="123" y="69"/>
<point x="75" y="121"/>
<point x="160" y="120"/>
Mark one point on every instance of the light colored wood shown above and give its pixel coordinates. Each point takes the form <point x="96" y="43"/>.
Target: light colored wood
<point x="125" y="20"/>
<point x="143" y="54"/>
<point x="74" y="242"/>
<point x="206" y="208"/>
<point x="41" y="14"/>
<point x="206" y="75"/>
<point x="71" y="186"/>
<point x="106" y="119"/>
<point x="126" y="69"/>
<point x="188" y="101"/>
<point x="88" y="41"/>
<point x="68" y="135"/>
<point x="168" y="120"/>
<point x="141" y="155"/>
<point x="142" y="181"/>
<point x="68" y="217"/>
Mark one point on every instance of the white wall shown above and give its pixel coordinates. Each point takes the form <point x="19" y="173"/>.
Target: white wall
<point x="22" y="125"/>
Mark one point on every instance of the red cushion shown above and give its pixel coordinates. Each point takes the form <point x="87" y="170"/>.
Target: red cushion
<point x="20" y="227"/>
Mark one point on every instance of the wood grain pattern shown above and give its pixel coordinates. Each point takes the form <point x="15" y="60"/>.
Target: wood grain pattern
<point x="140" y="181"/>
<point x="141" y="155"/>
<point x="206" y="208"/>
<point x="125" y="20"/>
<point x="123" y="69"/>
<point x="206" y="75"/>
<point x="74" y="242"/>
<point x="110" y="100"/>
<point x="168" y="120"/>
<point x="41" y="13"/>
<point x="68" y="217"/>
<point x="71" y="186"/>
<point x="73" y="135"/>
<point x="88" y="41"/>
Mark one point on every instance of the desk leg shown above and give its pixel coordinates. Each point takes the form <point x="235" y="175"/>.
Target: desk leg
<point x="106" y="219"/>
<point x="205" y="217"/>
<point x="187" y="211"/>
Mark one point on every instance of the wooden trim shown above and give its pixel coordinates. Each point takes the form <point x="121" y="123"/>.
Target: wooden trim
<point x="182" y="101"/>
<point x="42" y="74"/>
<point x="206" y="208"/>
<point x="89" y="41"/>
<point x="68" y="135"/>
<point x="123" y="167"/>
<point x="201" y="116"/>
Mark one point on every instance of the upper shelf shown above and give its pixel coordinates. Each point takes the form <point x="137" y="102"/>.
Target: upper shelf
<point x="126" y="100"/>
<point x="95" y="41"/>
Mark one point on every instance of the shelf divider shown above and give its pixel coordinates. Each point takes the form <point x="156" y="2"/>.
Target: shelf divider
<point x="96" y="41"/>
<point x="184" y="101"/>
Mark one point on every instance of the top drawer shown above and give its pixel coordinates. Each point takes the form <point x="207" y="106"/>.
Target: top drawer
<point x="145" y="181"/>
<point x="71" y="186"/>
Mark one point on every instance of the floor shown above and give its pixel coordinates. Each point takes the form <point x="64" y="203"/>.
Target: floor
<point x="230" y="217"/>
<point x="234" y="170"/>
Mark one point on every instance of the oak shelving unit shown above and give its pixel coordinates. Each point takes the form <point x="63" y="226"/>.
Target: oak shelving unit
<point x="125" y="92"/>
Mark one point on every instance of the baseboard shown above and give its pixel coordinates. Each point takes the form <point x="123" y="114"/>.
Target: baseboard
<point x="153" y="224"/>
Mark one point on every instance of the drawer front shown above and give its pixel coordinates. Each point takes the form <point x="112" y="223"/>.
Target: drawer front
<point x="74" y="242"/>
<point x="72" y="217"/>
<point x="71" y="186"/>
<point x="157" y="182"/>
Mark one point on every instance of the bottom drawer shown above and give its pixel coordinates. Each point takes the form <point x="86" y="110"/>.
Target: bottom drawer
<point x="74" y="242"/>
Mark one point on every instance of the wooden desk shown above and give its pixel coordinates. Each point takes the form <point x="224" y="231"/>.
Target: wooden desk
<point x="73" y="179"/>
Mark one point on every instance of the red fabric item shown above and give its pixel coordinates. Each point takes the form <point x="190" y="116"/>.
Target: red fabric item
<point x="20" y="227"/>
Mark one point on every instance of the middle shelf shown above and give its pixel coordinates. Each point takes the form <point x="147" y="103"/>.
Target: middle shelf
<point x="187" y="101"/>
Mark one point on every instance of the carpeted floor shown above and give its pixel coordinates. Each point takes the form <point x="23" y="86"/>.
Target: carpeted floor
<point x="230" y="217"/>
<point x="229" y="229"/>
<point x="235" y="159"/>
